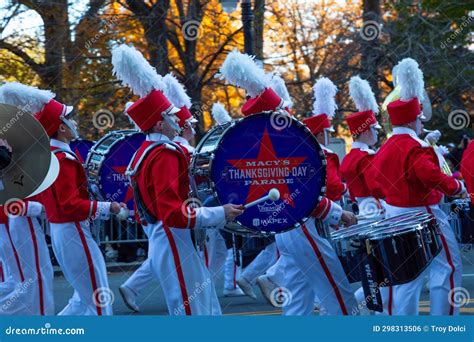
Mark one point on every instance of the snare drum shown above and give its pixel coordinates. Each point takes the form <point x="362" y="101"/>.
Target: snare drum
<point x="106" y="165"/>
<point x="81" y="148"/>
<point x="349" y="247"/>
<point x="402" y="251"/>
<point x="242" y="161"/>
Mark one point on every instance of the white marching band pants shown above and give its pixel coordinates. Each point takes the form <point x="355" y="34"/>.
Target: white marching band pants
<point x="187" y="284"/>
<point x="83" y="266"/>
<point x="445" y="272"/>
<point x="312" y="268"/>
<point x="37" y="271"/>
<point x="214" y="257"/>
<point x="264" y="260"/>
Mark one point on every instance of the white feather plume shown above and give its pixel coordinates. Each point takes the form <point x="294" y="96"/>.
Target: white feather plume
<point x="362" y="95"/>
<point x="220" y="114"/>
<point x="410" y="78"/>
<point x="175" y="92"/>
<point x="130" y="67"/>
<point x="278" y="85"/>
<point x="241" y="71"/>
<point x="324" y="94"/>
<point x="27" y="98"/>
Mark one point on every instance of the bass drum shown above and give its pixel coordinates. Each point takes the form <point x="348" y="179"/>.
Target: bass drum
<point x="81" y="148"/>
<point x="106" y="165"/>
<point x="240" y="162"/>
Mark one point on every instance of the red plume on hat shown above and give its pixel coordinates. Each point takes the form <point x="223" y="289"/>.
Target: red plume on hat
<point x="130" y="67"/>
<point x="407" y="108"/>
<point x="241" y="71"/>
<point x="39" y="102"/>
<point x="366" y="104"/>
<point x="324" y="106"/>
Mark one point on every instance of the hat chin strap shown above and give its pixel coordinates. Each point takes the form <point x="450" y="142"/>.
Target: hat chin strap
<point x="172" y="123"/>
<point x="71" y="126"/>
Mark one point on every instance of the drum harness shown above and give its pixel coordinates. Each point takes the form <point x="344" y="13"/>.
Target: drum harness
<point x="144" y="214"/>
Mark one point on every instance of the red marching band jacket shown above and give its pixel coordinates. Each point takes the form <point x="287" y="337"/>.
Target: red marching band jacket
<point x="67" y="200"/>
<point x="409" y="172"/>
<point x="165" y="194"/>
<point x="335" y="188"/>
<point x="467" y="169"/>
<point x="358" y="171"/>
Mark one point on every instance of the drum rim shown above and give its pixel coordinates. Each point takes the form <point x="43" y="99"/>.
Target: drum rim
<point x="228" y="126"/>
<point x="92" y="180"/>
<point x="380" y="235"/>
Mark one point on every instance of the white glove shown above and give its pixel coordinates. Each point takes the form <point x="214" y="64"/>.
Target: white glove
<point x="433" y="137"/>
<point x="442" y="150"/>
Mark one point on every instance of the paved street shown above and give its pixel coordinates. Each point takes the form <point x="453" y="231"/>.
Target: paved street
<point x="152" y="302"/>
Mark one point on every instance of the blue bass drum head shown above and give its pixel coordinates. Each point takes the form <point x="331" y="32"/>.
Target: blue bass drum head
<point x="81" y="148"/>
<point x="265" y="151"/>
<point x="114" y="184"/>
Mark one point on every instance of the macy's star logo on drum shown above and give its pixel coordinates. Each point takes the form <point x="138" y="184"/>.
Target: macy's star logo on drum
<point x="267" y="171"/>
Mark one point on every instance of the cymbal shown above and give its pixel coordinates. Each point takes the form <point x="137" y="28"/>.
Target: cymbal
<point x="31" y="154"/>
<point x="50" y="177"/>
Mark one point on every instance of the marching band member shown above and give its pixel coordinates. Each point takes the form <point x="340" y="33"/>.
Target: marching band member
<point x="26" y="232"/>
<point x="412" y="179"/>
<point x="313" y="266"/>
<point x="357" y="168"/>
<point x="269" y="255"/>
<point x="68" y="207"/>
<point x="159" y="177"/>
<point x="326" y="278"/>
<point x="320" y="125"/>
<point x="175" y="92"/>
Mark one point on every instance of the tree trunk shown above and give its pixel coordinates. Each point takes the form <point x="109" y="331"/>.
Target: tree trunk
<point x="56" y="26"/>
<point x="259" y="13"/>
<point x="370" y="43"/>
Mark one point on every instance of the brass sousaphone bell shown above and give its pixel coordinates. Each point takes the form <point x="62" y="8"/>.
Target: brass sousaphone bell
<point x="33" y="168"/>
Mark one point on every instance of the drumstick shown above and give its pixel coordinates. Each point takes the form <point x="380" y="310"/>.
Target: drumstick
<point x="273" y="195"/>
